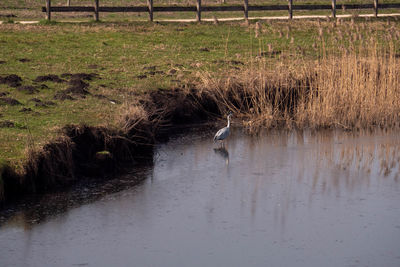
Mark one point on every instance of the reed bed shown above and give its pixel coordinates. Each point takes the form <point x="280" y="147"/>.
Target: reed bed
<point x="352" y="87"/>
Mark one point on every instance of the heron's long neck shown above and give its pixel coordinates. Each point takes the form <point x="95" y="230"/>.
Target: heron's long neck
<point x="229" y="121"/>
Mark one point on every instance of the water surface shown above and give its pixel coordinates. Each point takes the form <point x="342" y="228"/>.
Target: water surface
<point x="277" y="199"/>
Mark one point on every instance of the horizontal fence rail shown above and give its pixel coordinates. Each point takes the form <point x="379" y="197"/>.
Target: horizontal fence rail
<point x="150" y="8"/>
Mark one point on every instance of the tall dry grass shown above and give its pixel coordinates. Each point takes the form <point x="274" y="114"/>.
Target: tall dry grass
<point x="354" y="91"/>
<point x="357" y="86"/>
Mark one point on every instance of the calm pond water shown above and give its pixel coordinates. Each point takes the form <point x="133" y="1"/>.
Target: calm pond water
<point x="278" y="199"/>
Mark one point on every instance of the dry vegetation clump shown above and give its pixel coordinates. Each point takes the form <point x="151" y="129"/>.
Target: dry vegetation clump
<point x="351" y="88"/>
<point x="354" y="92"/>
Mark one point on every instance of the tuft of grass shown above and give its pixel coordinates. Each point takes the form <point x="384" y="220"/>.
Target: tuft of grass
<point x="47" y="22"/>
<point x="9" y="21"/>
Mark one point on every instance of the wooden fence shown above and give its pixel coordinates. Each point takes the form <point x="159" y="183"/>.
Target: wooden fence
<point x="198" y="8"/>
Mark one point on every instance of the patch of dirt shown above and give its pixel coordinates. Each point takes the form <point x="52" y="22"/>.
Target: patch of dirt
<point x="141" y="77"/>
<point x="36" y="100"/>
<point x="50" y="103"/>
<point x="150" y="68"/>
<point x="9" y="101"/>
<point x="204" y="49"/>
<point x="61" y="95"/>
<point x="43" y="104"/>
<point x="66" y="75"/>
<point x="152" y="73"/>
<point x="84" y="76"/>
<point x="28" y="89"/>
<point x="25" y="110"/>
<point x="7" y="124"/>
<point x="77" y="87"/>
<point x="12" y="80"/>
<point x="172" y="71"/>
<point x="49" y="78"/>
<point x="43" y="86"/>
<point x="23" y="60"/>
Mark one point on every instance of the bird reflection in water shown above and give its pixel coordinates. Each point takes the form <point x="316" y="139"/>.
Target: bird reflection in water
<point x="223" y="152"/>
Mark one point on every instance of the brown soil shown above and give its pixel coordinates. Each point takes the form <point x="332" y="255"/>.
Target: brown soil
<point x="204" y="49"/>
<point x="40" y="103"/>
<point x="84" y="76"/>
<point x="28" y="89"/>
<point x="23" y="60"/>
<point x="152" y="73"/>
<point x="36" y="100"/>
<point x="77" y="86"/>
<point x="61" y="95"/>
<point x="45" y="104"/>
<point x="66" y="75"/>
<point x="6" y="124"/>
<point x="11" y="80"/>
<point x="9" y="101"/>
<point x="25" y="110"/>
<point x="172" y="71"/>
<point x="141" y="77"/>
<point x="42" y="86"/>
<point x="49" y="78"/>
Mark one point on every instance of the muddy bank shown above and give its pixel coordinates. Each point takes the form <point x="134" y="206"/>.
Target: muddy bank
<point x="84" y="151"/>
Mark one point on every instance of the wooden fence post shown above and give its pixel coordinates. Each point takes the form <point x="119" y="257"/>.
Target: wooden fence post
<point x="334" y="8"/>
<point x="48" y="12"/>
<point x="246" y="10"/>
<point x="290" y="9"/>
<point x="150" y="4"/>
<point x="96" y="10"/>
<point x="376" y="7"/>
<point x="68" y="2"/>
<point x="198" y="7"/>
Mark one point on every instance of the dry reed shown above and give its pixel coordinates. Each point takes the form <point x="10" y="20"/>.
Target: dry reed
<point x="353" y="87"/>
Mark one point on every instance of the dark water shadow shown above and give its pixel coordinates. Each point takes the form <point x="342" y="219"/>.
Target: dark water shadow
<point x="223" y="153"/>
<point x="36" y="209"/>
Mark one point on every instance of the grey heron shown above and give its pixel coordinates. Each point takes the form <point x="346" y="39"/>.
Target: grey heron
<point x="223" y="133"/>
